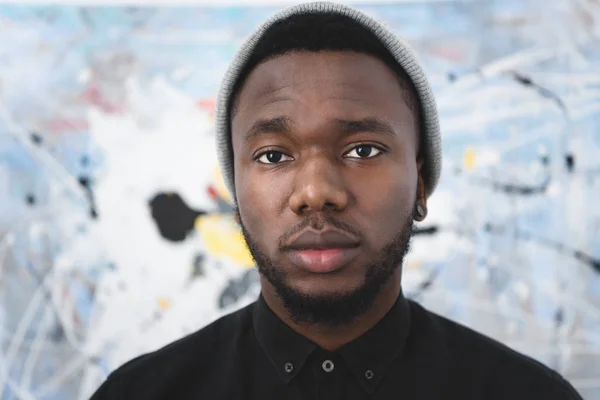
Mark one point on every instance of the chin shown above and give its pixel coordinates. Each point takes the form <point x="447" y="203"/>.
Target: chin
<point x="333" y="285"/>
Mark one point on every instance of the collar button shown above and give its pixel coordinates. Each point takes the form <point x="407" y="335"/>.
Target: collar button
<point x="369" y="374"/>
<point x="328" y="366"/>
<point x="289" y="367"/>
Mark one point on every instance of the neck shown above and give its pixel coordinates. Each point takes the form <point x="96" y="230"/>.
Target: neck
<point x="333" y="337"/>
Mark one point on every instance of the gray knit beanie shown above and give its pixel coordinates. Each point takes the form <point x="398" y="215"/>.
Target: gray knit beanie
<point x="398" y="49"/>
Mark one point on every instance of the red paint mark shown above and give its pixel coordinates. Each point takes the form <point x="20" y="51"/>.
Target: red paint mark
<point x="93" y="96"/>
<point x="450" y="53"/>
<point x="212" y="192"/>
<point x="62" y="125"/>
<point x="206" y="104"/>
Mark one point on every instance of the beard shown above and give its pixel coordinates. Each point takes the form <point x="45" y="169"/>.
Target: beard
<point x="338" y="308"/>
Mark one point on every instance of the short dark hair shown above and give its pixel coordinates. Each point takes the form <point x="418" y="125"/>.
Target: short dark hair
<point x="324" y="32"/>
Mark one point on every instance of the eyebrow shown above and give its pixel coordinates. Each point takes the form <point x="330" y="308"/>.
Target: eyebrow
<point x="373" y="125"/>
<point x="284" y="125"/>
<point x="273" y="125"/>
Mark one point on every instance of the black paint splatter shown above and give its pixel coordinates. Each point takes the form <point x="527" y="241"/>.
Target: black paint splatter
<point x="174" y="218"/>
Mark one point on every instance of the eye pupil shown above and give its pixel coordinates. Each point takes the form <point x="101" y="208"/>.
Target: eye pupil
<point x="364" y="151"/>
<point x="274" y="157"/>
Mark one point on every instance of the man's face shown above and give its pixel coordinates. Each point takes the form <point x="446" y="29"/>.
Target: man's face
<point x="326" y="179"/>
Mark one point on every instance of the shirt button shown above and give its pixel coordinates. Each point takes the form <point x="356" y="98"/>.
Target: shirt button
<point x="289" y="367"/>
<point x="369" y="374"/>
<point x="328" y="366"/>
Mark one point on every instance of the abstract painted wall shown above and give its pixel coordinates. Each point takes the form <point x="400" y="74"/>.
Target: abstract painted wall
<point x="116" y="234"/>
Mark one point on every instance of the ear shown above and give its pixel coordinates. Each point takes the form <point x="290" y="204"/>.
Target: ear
<point x="421" y="199"/>
<point x="236" y="215"/>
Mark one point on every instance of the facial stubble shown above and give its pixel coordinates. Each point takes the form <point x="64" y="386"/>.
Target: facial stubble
<point x="338" y="308"/>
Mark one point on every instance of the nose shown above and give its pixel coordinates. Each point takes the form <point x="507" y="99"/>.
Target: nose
<point x="318" y="186"/>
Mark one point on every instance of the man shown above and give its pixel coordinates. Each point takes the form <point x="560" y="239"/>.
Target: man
<point x="328" y="139"/>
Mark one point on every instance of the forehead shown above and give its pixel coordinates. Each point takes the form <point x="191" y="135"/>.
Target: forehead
<point x="347" y="81"/>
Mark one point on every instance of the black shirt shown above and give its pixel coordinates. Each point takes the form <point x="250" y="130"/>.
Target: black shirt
<point x="410" y="354"/>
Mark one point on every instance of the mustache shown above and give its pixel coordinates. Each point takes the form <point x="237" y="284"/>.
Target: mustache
<point x="318" y="222"/>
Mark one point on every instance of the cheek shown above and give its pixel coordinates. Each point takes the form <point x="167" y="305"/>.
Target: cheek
<point x="387" y="202"/>
<point x="260" y="203"/>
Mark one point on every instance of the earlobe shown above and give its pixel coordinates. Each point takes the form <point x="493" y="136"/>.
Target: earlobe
<point x="421" y="201"/>
<point x="421" y="213"/>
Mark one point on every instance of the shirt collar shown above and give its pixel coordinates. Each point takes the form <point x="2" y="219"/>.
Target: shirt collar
<point x="368" y="357"/>
<point x="287" y="349"/>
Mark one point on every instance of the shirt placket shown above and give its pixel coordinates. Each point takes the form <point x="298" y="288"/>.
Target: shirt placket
<point x="330" y="377"/>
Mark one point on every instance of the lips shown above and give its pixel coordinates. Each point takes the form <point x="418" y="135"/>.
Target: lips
<point x="322" y="251"/>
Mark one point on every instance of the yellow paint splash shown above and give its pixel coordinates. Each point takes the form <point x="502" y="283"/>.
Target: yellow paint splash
<point x="469" y="158"/>
<point x="223" y="239"/>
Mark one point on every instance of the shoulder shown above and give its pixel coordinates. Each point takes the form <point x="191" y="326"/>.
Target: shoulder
<point x="199" y="352"/>
<point x="206" y="341"/>
<point x="487" y="365"/>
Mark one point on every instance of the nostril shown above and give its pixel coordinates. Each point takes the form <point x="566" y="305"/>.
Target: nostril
<point x="329" y="206"/>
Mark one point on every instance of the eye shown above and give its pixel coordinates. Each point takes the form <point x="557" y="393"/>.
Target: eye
<point x="272" y="157"/>
<point x="364" y="151"/>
